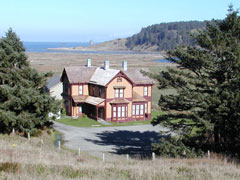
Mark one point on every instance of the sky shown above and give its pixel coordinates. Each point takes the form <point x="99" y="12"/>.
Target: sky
<point x="100" y="20"/>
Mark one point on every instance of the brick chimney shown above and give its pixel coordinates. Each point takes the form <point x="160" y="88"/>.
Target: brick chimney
<point x="89" y="62"/>
<point x="124" y="65"/>
<point x="106" y="65"/>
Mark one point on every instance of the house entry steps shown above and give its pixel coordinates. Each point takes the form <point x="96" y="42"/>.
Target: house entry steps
<point x="103" y="122"/>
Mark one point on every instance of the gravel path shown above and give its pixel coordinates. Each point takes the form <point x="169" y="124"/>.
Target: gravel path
<point x="117" y="140"/>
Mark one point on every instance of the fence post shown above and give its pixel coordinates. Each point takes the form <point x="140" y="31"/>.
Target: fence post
<point x="13" y="131"/>
<point x="42" y="142"/>
<point x="79" y="151"/>
<point x="208" y="154"/>
<point x="103" y="157"/>
<point x="59" y="145"/>
<point x="153" y="156"/>
<point x="127" y="157"/>
<point x="29" y="138"/>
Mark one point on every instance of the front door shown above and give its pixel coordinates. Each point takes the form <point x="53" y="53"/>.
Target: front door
<point x="101" y="113"/>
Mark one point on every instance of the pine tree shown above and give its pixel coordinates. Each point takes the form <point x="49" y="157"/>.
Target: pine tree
<point x="24" y="105"/>
<point x="205" y="110"/>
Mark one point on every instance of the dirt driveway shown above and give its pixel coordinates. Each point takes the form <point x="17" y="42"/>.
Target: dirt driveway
<point x="119" y="140"/>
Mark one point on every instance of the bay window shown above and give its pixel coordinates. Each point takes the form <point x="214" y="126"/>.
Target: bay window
<point x="119" y="112"/>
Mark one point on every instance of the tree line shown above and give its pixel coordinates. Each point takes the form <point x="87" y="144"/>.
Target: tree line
<point x="167" y="36"/>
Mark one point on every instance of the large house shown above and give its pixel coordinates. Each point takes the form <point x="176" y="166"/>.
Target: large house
<point x="105" y="93"/>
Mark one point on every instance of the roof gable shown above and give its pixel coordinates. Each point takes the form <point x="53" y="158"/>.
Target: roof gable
<point x="102" y="76"/>
<point x="121" y="74"/>
<point x="137" y="77"/>
<point x="79" y="74"/>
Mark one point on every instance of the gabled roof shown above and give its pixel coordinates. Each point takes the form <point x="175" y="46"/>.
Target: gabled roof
<point x="53" y="81"/>
<point x="79" y="74"/>
<point x="102" y="76"/>
<point x="137" y="77"/>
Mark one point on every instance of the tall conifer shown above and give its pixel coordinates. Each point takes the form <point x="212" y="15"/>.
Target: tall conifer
<point x="207" y="80"/>
<point x="24" y="105"/>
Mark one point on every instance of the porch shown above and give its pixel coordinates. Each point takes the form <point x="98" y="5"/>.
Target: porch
<point x="93" y="107"/>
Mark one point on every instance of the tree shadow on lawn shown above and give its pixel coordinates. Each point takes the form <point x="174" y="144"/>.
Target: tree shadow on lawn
<point x="134" y="143"/>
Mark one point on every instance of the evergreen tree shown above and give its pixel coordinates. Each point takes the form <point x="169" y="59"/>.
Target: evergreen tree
<point x="205" y="110"/>
<point x="24" y="105"/>
<point x="167" y="36"/>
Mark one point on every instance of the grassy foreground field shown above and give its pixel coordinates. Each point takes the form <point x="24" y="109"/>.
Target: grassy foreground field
<point x="23" y="159"/>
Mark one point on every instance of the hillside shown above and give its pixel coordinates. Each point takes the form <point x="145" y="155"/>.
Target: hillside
<point x="23" y="159"/>
<point x="164" y="36"/>
<point x="113" y="45"/>
<point x="158" y="37"/>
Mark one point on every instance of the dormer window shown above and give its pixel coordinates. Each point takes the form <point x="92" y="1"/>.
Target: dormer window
<point x="80" y="89"/>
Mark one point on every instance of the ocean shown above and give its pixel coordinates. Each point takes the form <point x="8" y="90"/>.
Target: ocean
<point x="43" y="47"/>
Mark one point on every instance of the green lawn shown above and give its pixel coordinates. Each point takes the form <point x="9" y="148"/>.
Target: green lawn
<point x="87" y="122"/>
<point x="80" y="122"/>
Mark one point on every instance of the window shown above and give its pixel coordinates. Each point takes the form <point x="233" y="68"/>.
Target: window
<point x="133" y="110"/>
<point x="137" y="109"/>
<point x="123" y="111"/>
<point x="141" y="109"/>
<point x="145" y="90"/>
<point x="114" y="111"/>
<point x="119" y="79"/>
<point x="80" y="108"/>
<point x="116" y="93"/>
<point x="146" y="109"/>
<point x="119" y="112"/>
<point x="80" y="89"/>
<point x="119" y="93"/>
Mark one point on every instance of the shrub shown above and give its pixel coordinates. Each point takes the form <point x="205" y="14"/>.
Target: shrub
<point x="9" y="167"/>
<point x="173" y="147"/>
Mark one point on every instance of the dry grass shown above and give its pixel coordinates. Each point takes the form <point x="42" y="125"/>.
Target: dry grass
<point x="55" y="62"/>
<point x="23" y="159"/>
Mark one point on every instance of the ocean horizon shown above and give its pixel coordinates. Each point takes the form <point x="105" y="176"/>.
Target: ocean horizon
<point x="43" y="46"/>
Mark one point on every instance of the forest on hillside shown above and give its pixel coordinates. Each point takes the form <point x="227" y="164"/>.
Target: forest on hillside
<point x="166" y="36"/>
